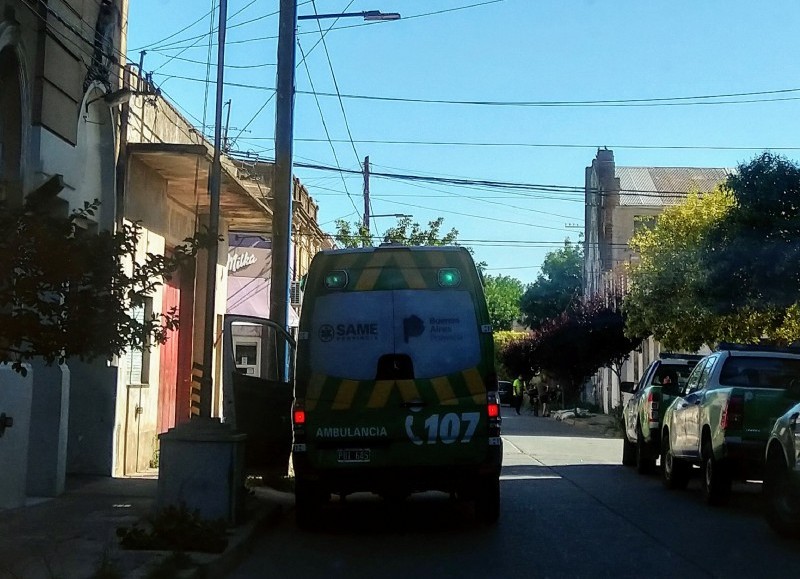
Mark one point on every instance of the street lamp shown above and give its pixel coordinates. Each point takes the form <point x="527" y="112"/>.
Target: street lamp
<point x="369" y="15"/>
<point x="284" y="127"/>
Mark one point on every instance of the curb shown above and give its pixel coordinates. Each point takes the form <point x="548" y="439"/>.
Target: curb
<point x="240" y="546"/>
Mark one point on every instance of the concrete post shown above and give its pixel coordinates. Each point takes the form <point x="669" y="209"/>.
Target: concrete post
<point x="47" y="447"/>
<point x="16" y="394"/>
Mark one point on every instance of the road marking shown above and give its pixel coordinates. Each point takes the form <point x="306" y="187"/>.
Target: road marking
<point x="529" y="477"/>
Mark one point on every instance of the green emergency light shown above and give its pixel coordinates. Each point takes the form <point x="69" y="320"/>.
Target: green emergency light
<point x="336" y="280"/>
<point x="449" y="277"/>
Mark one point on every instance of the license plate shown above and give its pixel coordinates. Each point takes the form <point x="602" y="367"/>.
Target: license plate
<point x="354" y="455"/>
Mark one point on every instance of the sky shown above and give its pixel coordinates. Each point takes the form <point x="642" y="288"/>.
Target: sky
<point x="537" y="66"/>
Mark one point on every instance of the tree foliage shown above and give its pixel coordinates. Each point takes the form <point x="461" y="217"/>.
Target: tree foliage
<point x="724" y="266"/>
<point x="404" y="232"/>
<point x="503" y="294"/>
<point x="667" y="281"/>
<point x="68" y="292"/>
<point x="752" y="257"/>
<point x="573" y="345"/>
<point x="501" y="340"/>
<point x="558" y="286"/>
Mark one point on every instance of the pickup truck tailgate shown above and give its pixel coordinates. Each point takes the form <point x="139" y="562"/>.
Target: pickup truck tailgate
<point x="762" y="406"/>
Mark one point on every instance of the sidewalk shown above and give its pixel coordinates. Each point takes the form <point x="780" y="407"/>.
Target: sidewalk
<point x="73" y="536"/>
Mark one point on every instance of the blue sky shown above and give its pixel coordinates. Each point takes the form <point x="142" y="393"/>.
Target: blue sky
<point x="504" y="51"/>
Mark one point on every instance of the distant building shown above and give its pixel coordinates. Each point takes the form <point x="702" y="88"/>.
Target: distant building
<point x="619" y="201"/>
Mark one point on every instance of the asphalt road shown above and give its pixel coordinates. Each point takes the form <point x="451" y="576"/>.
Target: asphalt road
<point x="568" y="510"/>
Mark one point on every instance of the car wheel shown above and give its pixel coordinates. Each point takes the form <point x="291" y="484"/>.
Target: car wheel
<point x="645" y="464"/>
<point x="628" y="452"/>
<point x="487" y="500"/>
<point x="308" y="499"/>
<point x="782" y="498"/>
<point x="716" y="477"/>
<point x="674" y="471"/>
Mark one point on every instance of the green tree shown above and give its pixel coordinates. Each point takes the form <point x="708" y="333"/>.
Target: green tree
<point x="723" y="266"/>
<point x="405" y="232"/>
<point x="503" y="294"/>
<point x="501" y="340"/>
<point x="68" y="292"/>
<point x="752" y="256"/>
<point x="352" y="234"/>
<point x="667" y="281"/>
<point x="558" y="286"/>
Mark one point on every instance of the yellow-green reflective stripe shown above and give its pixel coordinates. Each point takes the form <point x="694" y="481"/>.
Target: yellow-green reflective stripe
<point x="344" y="395"/>
<point x="314" y="390"/>
<point x="475" y="385"/>
<point x="371" y="271"/>
<point x="408" y="390"/>
<point x="437" y="259"/>
<point x="410" y="271"/>
<point x="380" y="394"/>
<point x="444" y="391"/>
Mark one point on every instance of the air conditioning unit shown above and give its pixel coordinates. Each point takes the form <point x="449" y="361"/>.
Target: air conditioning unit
<point x="295" y="293"/>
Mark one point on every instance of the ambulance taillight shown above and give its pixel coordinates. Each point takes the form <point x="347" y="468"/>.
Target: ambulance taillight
<point x="298" y="414"/>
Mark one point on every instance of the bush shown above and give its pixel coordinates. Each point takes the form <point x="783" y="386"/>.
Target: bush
<point x="176" y="529"/>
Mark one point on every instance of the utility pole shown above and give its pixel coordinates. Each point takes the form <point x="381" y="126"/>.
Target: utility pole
<point x="214" y="185"/>
<point x="283" y="185"/>
<point x="366" y="193"/>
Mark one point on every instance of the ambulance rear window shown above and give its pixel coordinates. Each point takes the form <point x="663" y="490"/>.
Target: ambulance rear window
<point x="437" y="329"/>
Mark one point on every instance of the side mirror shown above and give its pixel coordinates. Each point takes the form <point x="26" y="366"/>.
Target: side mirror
<point x="627" y="386"/>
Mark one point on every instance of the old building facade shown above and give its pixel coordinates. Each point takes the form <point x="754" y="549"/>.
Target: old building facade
<point x="78" y="123"/>
<point x="618" y="201"/>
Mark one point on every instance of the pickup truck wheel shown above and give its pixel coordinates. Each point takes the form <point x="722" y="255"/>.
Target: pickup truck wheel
<point x="487" y="500"/>
<point x="645" y="464"/>
<point x="628" y="452"/>
<point x="716" y="478"/>
<point x="782" y="498"/>
<point x="675" y="472"/>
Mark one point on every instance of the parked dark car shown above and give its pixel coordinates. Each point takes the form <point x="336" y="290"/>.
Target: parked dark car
<point x="782" y="475"/>
<point x="504" y="392"/>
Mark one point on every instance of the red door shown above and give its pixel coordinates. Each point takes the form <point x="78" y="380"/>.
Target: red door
<point x="175" y="372"/>
<point x="168" y="369"/>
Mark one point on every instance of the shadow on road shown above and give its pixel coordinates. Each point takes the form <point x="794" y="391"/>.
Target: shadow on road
<point x="366" y="514"/>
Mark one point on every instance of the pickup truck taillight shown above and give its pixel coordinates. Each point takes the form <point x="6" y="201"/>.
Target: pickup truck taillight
<point x="732" y="416"/>
<point x="652" y="407"/>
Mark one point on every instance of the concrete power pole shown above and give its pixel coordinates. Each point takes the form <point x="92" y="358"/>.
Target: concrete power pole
<point x="283" y="182"/>
<point x="214" y="185"/>
<point x="366" y="193"/>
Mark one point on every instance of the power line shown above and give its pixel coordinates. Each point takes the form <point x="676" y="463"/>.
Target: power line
<point x="541" y="145"/>
<point x="302" y="61"/>
<point x="565" y="189"/>
<point x="174" y="34"/>
<point x="231" y="66"/>
<point x="462" y="214"/>
<point x="701" y="100"/>
<point x="503" y="185"/>
<point x="335" y="83"/>
<point x="659" y="101"/>
<point x="325" y="127"/>
<point x="263" y="38"/>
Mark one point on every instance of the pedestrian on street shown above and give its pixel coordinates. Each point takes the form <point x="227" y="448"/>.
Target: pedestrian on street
<point x="533" y="396"/>
<point x="545" y="399"/>
<point x="516" y="401"/>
